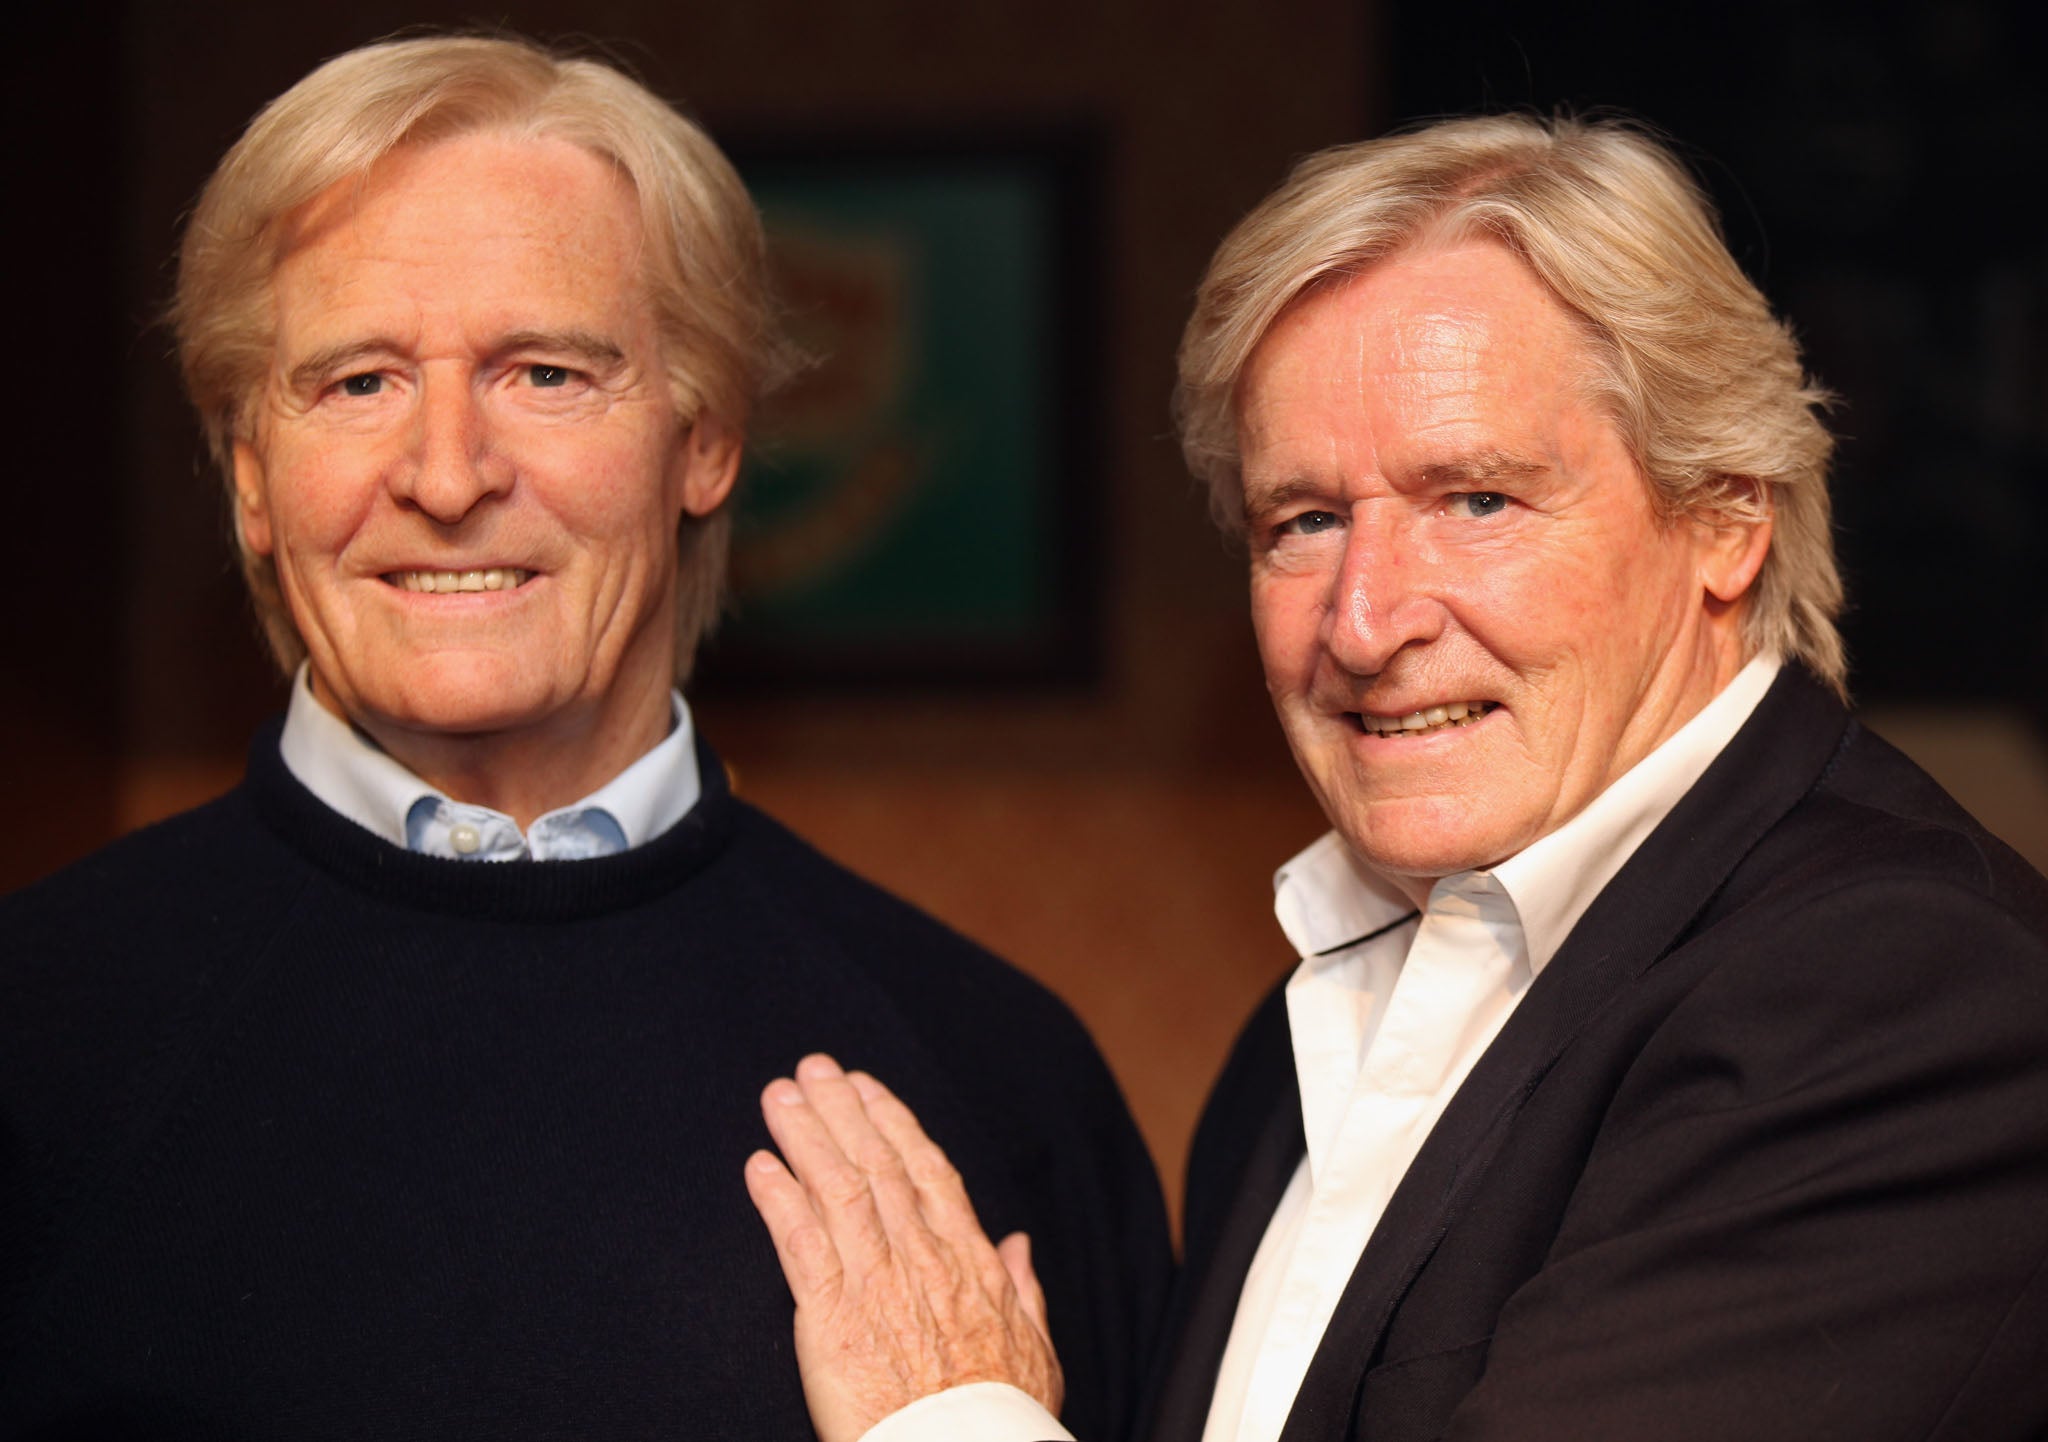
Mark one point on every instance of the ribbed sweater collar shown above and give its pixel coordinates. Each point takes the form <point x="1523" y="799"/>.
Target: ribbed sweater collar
<point x="518" y="891"/>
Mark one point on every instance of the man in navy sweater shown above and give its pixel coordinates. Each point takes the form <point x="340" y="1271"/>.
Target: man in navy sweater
<point x="317" y="1123"/>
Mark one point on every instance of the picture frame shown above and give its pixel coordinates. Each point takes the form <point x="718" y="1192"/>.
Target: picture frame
<point x="918" y="505"/>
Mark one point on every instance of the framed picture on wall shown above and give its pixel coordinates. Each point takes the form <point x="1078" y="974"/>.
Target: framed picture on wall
<point x="918" y="506"/>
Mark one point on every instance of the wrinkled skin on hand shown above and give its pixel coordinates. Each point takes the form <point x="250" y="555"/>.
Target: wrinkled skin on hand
<point x="899" y="1293"/>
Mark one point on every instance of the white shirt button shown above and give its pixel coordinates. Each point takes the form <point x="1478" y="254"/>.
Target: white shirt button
<point x="465" y="838"/>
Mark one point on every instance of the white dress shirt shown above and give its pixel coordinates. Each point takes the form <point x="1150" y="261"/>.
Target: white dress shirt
<point x="351" y="774"/>
<point x="1389" y="1010"/>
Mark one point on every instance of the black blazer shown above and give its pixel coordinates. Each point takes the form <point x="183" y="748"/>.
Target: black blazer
<point x="1762" y="1154"/>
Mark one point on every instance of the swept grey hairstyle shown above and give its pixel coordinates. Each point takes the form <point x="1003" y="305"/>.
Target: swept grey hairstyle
<point x="703" y="263"/>
<point x="1704" y="384"/>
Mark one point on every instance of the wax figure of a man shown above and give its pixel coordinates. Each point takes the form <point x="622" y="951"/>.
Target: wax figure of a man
<point x="1668" y="1057"/>
<point x="319" y="1124"/>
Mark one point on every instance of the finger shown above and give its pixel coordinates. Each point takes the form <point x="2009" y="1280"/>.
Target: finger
<point x="836" y="1189"/>
<point x="807" y="1144"/>
<point x="1015" y="1250"/>
<point x="810" y="1262"/>
<point x="834" y="1096"/>
<point x="942" y="1194"/>
<point x="945" y="1226"/>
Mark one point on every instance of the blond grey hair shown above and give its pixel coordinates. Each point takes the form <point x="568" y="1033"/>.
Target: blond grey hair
<point x="703" y="261"/>
<point x="1704" y="384"/>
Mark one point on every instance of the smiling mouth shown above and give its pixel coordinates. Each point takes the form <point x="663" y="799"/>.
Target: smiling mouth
<point x="497" y="578"/>
<point x="1425" y="722"/>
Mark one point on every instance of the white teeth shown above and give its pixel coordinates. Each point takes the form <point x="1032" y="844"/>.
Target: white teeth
<point x="1433" y="718"/>
<point x="498" y="578"/>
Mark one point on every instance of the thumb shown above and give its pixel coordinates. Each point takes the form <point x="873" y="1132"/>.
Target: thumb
<point x="1015" y="1251"/>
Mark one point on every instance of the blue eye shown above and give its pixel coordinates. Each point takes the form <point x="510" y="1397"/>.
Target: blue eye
<point x="1478" y="503"/>
<point x="1310" y="523"/>
<point x="366" y="384"/>
<point x="548" y="375"/>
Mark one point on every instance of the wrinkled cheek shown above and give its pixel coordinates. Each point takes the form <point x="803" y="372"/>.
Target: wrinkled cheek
<point x="291" y="580"/>
<point x="308" y="528"/>
<point x="1290" y="682"/>
<point x="1288" y="642"/>
<point x="1571" y="607"/>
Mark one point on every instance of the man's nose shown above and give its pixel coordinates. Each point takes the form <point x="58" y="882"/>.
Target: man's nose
<point x="452" y="462"/>
<point x="1384" y="597"/>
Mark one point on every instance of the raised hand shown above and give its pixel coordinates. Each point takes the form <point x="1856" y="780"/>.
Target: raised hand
<point x="899" y="1293"/>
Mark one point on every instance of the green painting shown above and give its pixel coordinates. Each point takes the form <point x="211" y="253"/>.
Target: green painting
<point x="907" y="508"/>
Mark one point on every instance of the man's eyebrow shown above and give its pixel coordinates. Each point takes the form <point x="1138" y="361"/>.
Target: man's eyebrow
<point x="329" y="360"/>
<point x="1476" y="471"/>
<point x="587" y="345"/>
<point x="1469" y="472"/>
<point x="594" y="350"/>
<point x="1263" y="496"/>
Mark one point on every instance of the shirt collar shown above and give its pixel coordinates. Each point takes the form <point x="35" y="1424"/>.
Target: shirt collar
<point x="350" y="774"/>
<point x="1326" y="897"/>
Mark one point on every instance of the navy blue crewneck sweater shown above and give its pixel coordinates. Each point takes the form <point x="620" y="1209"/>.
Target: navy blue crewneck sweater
<point x="309" y="1137"/>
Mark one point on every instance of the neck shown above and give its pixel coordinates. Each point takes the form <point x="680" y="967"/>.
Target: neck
<point x="526" y="772"/>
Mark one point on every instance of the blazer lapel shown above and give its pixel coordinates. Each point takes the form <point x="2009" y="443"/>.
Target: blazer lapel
<point x="1774" y="760"/>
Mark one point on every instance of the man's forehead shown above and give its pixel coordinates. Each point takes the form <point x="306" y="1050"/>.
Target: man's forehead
<point x="488" y="234"/>
<point x="447" y="194"/>
<point x="1427" y="327"/>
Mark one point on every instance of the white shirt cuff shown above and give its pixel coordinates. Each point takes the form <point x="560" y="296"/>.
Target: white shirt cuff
<point x="985" y="1411"/>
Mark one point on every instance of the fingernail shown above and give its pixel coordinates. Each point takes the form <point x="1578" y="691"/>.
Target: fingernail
<point x="866" y="1085"/>
<point x="786" y="1093"/>
<point x="763" y="1162"/>
<point x="817" y="1066"/>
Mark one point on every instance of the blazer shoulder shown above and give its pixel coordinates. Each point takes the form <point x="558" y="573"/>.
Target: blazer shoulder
<point x="1875" y="818"/>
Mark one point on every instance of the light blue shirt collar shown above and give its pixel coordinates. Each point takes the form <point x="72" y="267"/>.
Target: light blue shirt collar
<point x="348" y="772"/>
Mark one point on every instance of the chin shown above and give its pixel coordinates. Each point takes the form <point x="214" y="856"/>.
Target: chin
<point x="1422" y="862"/>
<point x="1420" y="839"/>
<point x="469" y="720"/>
<point x="465" y="695"/>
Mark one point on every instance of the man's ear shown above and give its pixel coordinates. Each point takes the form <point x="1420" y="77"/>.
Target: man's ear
<point x="710" y="461"/>
<point x="1734" y="543"/>
<point x="252" y="508"/>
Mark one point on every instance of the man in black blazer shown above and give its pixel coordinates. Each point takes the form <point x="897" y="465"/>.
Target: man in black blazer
<point x="1669" y="1056"/>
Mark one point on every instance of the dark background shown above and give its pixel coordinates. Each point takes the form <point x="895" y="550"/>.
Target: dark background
<point x="1876" y="165"/>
